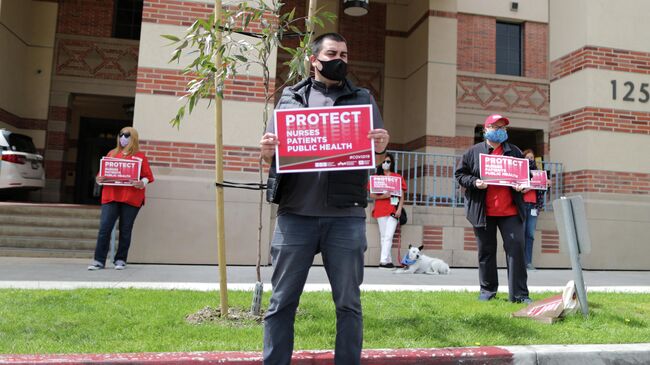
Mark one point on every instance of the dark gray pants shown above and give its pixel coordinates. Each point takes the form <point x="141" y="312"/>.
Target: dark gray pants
<point x="342" y="243"/>
<point x="512" y="232"/>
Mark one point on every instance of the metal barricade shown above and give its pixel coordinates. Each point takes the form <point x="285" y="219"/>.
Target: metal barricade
<point x="430" y="179"/>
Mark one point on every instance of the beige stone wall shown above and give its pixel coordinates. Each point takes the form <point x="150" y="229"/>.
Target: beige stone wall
<point x="530" y="10"/>
<point x="26" y="41"/>
<point x="242" y="121"/>
<point x="616" y="24"/>
<point x="585" y="151"/>
<point x="177" y="223"/>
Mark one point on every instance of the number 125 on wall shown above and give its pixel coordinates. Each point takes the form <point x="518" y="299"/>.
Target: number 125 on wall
<point x="642" y="95"/>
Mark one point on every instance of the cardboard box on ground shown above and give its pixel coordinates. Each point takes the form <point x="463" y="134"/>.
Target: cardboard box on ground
<point x="551" y="309"/>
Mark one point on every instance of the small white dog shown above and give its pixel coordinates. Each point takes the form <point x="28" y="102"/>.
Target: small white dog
<point x="421" y="263"/>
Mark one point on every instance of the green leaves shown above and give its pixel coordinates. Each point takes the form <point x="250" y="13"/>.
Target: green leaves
<point x="244" y="38"/>
<point x="171" y="37"/>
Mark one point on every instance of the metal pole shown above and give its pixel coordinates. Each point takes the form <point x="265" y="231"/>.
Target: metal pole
<point x="218" y="153"/>
<point x="574" y="254"/>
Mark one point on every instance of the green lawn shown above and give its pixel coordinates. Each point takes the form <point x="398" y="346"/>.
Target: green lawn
<point x="133" y="320"/>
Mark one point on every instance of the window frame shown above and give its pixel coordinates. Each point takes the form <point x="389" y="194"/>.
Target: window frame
<point x="521" y="27"/>
<point x="133" y="25"/>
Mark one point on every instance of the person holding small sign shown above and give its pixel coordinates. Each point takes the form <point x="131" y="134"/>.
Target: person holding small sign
<point x="387" y="210"/>
<point x="534" y="201"/>
<point x="489" y="207"/>
<point x="121" y="201"/>
<point x="319" y="211"/>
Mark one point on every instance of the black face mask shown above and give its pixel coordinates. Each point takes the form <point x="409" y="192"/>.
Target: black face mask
<point x="335" y="69"/>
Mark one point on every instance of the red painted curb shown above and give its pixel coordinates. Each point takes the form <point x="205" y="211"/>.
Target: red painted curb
<point x="444" y="356"/>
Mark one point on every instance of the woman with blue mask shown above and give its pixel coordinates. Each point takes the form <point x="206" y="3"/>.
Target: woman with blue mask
<point x="121" y="201"/>
<point x="489" y="207"/>
<point x="387" y="210"/>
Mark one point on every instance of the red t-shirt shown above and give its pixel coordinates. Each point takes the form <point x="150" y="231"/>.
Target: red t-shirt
<point x="383" y="208"/>
<point x="498" y="201"/>
<point x="530" y="197"/>
<point x="128" y="194"/>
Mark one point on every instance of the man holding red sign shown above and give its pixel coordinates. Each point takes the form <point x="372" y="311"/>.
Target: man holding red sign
<point x="489" y="207"/>
<point x="319" y="211"/>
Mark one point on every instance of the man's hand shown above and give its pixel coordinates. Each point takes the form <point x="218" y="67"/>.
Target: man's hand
<point x="267" y="146"/>
<point x="380" y="137"/>
<point x="480" y="184"/>
<point x="100" y="179"/>
<point x="398" y="212"/>
<point x="521" y="188"/>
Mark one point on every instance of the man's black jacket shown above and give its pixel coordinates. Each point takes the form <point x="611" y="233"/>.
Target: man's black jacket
<point x="469" y="172"/>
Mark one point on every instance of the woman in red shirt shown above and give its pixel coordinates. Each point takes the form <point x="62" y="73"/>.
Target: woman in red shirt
<point x="121" y="202"/>
<point x="387" y="211"/>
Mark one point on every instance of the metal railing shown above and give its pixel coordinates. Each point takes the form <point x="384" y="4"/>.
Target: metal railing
<point x="430" y="179"/>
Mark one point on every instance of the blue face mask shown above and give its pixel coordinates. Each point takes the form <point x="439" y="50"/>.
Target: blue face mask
<point x="497" y="136"/>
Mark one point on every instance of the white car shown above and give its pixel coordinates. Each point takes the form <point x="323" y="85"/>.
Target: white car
<point x="21" y="167"/>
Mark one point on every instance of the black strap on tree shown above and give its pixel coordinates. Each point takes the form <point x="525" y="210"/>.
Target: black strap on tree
<point x="238" y="185"/>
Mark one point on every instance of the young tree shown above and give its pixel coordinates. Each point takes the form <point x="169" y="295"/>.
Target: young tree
<point x="226" y="45"/>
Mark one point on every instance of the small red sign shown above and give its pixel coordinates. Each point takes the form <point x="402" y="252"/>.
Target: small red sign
<point x="503" y="170"/>
<point x="538" y="180"/>
<point x="324" y="139"/>
<point x="118" y="171"/>
<point x="381" y="184"/>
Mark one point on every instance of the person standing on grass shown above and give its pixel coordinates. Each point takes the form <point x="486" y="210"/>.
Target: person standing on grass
<point x="319" y="212"/>
<point x="489" y="207"/>
<point x="123" y="202"/>
<point x="387" y="210"/>
<point x="534" y="201"/>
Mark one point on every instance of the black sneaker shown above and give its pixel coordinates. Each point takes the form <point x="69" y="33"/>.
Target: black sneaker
<point x="388" y="266"/>
<point x="525" y="300"/>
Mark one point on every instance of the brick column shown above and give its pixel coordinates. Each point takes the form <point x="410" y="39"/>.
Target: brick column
<point x="600" y="123"/>
<point x="55" y="146"/>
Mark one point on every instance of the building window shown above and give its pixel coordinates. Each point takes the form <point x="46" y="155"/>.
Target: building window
<point x="128" y="19"/>
<point x="509" y="49"/>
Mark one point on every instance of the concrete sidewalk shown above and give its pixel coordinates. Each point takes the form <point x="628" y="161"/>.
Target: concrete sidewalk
<point x="54" y="273"/>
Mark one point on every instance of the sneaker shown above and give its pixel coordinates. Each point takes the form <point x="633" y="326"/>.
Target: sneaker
<point x="388" y="266"/>
<point x="120" y="265"/>
<point x="525" y="300"/>
<point x="530" y="267"/>
<point x="485" y="296"/>
<point x="96" y="265"/>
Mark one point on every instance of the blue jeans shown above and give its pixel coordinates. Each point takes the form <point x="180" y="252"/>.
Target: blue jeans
<point x="531" y="224"/>
<point x="110" y="213"/>
<point x="296" y="240"/>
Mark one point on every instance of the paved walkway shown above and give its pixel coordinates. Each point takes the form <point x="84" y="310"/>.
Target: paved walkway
<point x="71" y="273"/>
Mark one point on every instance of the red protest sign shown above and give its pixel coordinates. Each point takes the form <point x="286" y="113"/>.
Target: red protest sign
<point x="118" y="171"/>
<point x="324" y="139"/>
<point x="538" y="180"/>
<point x="380" y="184"/>
<point x="503" y="170"/>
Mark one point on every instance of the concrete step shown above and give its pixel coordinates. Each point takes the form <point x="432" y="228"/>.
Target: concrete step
<point x="38" y="242"/>
<point x="50" y="210"/>
<point x="51" y="232"/>
<point x="9" y="220"/>
<point x="45" y="252"/>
